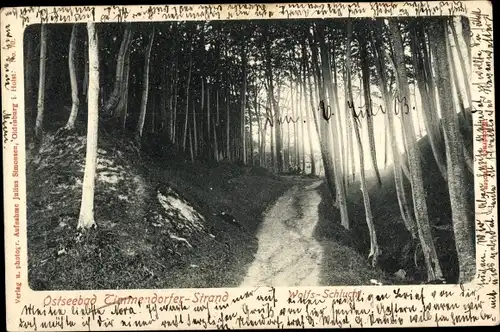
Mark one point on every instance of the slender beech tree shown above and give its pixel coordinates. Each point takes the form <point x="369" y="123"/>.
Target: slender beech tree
<point x="379" y="55"/>
<point x="123" y="103"/>
<point x="41" y="82"/>
<point x="374" y="248"/>
<point x="274" y="103"/>
<point x="431" y="122"/>
<point x="118" y="91"/>
<point x="464" y="114"/>
<point x="145" y="88"/>
<point x="75" y="102"/>
<point x="338" y="177"/>
<point x="85" y="84"/>
<point x="418" y="192"/>
<point x="365" y="73"/>
<point x="244" y="65"/>
<point x="186" y="118"/>
<point x="86" y="218"/>
<point x="324" y="132"/>
<point x="306" y="118"/>
<point x="463" y="224"/>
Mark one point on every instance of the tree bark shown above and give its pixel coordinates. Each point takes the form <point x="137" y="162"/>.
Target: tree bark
<point x="306" y="118"/>
<point x="86" y="218"/>
<point x="250" y="127"/>
<point x="464" y="113"/>
<point x="145" y="88"/>
<point x="123" y="104"/>
<point x="275" y="106"/>
<point x="342" y="138"/>
<point x="243" y="147"/>
<point x="324" y="133"/>
<point x="398" y="176"/>
<point x="416" y="180"/>
<point x="462" y="63"/>
<point x="41" y="83"/>
<point x="174" y="90"/>
<point x="85" y="84"/>
<point x="75" y="102"/>
<point x="463" y="224"/>
<point x="228" y="103"/>
<point x="114" y="99"/>
<point x="430" y="119"/>
<point x="365" y="69"/>
<point x="300" y="107"/>
<point x="188" y="83"/>
<point x="332" y="146"/>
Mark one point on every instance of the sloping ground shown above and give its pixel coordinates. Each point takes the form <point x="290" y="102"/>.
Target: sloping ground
<point x="399" y="251"/>
<point x="157" y="224"/>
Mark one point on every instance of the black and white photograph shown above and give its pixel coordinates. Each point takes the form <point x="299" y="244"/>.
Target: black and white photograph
<point x="235" y="153"/>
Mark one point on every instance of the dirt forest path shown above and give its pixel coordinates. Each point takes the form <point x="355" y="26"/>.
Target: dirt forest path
<point x="288" y="254"/>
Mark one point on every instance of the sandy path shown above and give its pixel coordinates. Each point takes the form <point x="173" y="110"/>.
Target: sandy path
<point x="288" y="255"/>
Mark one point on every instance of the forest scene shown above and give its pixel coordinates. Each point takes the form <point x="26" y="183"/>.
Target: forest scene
<point x="249" y="153"/>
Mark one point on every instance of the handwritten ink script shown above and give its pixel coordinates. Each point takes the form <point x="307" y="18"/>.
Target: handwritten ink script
<point x="258" y="307"/>
<point x="485" y="153"/>
<point x="36" y="15"/>
<point x="400" y="107"/>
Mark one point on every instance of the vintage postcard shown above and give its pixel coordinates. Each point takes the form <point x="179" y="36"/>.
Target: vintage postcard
<point x="281" y="165"/>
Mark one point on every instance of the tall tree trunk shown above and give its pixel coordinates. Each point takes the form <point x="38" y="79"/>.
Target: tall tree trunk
<point x="114" y="99"/>
<point x="300" y="140"/>
<point x="123" y="104"/>
<point x="466" y="115"/>
<point x="208" y="141"/>
<point x="271" y="132"/>
<point x="165" y="98"/>
<point x="191" y="153"/>
<point x="463" y="224"/>
<point x="174" y="90"/>
<point x="215" y="145"/>
<point x="312" y="100"/>
<point x="188" y="83"/>
<point x="204" y="94"/>
<point x="275" y="106"/>
<point x="259" y="126"/>
<point x="195" y="131"/>
<point x="85" y="84"/>
<point x="228" y="145"/>
<point x="300" y="106"/>
<point x="243" y="147"/>
<point x="86" y="218"/>
<point x="250" y="127"/>
<point x="398" y="176"/>
<point x="365" y="69"/>
<point x="153" y="112"/>
<point x="417" y="185"/>
<point x="295" y="128"/>
<point x="145" y="88"/>
<point x="349" y="124"/>
<point x="306" y="118"/>
<point x="75" y="102"/>
<point x="374" y="248"/>
<point x="29" y="51"/>
<point x="341" y="130"/>
<point x="324" y="134"/>
<point x="462" y="63"/>
<point x="339" y="182"/>
<point x="41" y="82"/>
<point x="430" y="113"/>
